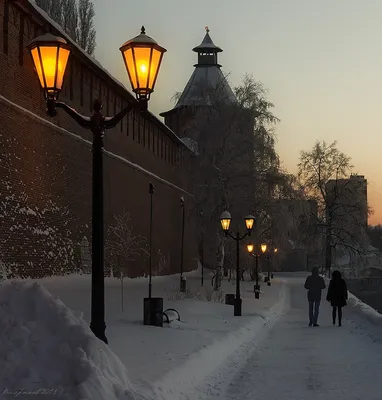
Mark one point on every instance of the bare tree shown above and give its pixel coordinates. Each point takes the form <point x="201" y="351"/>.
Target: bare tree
<point x="323" y="172"/>
<point x="86" y="31"/>
<point x="76" y="17"/>
<point x="234" y="158"/>
<point x="70" y="18"/>
<point x="123" y="247"/>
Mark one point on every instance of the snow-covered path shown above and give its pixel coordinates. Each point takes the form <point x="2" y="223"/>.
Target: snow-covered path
<point x="297" y="362"/>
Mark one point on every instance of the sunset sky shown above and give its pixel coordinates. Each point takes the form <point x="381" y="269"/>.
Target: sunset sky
<point x="320" y="60"/>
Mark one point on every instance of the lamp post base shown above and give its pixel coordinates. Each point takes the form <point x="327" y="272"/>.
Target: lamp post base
<point x="272" y="276"/>
<point x="153" y="311"/>
<point x="257" y="291"/>
<point x="237" y="307"/>
<point x="269" y="282"/>
<point x="182" y="284"/>
<point x="99" y="330"/>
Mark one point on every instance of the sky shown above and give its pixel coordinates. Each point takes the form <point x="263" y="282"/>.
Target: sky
<point x="320" y="60"/>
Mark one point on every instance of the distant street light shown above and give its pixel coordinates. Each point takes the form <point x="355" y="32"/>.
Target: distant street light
<point x="143" y="57"/>
<point x="182" y="279"/>
<point x="225" y="220"/>
<point x="202" y="247"/>
<point x="250" y="248"/>
<point x="275" y="251"/>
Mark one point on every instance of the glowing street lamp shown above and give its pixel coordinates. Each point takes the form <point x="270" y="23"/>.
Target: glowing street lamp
<point x="50" y="56"/>
<point x="143" y="57"/>
<point x="250" y="248"/>
<point x="225" y="220"/>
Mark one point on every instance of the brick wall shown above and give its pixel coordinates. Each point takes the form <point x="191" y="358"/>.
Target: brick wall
<point x="45" y="164"/>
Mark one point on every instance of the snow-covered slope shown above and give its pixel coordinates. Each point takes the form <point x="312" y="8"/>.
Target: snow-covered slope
<point x="46" y="349"/>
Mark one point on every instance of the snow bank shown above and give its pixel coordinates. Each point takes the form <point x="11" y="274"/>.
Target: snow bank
<point x="46" y="349"/>
<point x="370" y="313"/>
<point x="358" y="305"/>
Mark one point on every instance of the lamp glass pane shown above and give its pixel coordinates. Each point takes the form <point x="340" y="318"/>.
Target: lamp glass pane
<point x="49" y="62"/>
<point x="154" y="68"/>
<point x="129" y="61"/>
<point x="63" y="57"/>
<point x="249" y="223"/>
<point x="142" y="65"/>
<point x="225" y="224"/>
<point x="37" y="64"/>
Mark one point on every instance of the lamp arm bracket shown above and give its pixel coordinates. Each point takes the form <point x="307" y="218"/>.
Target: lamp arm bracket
<point x="111" y="122"/>
<point x="85" y="122"/>
<point x="242" y="237"/>
<point x="231" y="236"/>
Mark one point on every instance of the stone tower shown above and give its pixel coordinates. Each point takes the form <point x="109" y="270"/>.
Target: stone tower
<point x="207" y="76"/>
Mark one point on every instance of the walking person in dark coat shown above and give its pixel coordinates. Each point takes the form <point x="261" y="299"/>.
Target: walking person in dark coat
<point x="337" y="295"/>
<point x="315" y="285"/>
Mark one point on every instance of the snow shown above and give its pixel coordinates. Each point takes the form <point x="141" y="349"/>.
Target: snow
<point x="359" y="306"/>
<point x="209" y="354"/>
<point x="294" y="361"/>
<point x="48" y="349"/>
<point x="154" y="358"/>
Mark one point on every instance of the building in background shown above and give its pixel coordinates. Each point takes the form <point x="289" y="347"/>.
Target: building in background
<point x="294" y="226"/>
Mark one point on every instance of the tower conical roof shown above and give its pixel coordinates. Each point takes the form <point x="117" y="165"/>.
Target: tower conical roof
<point x="206" y="79"/>
<point x="207" y="44"/>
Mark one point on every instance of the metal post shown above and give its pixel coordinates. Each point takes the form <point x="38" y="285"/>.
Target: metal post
<point x="97" y="324"/>
<point x="151" y="191"/>
<point x="182" y="284"/>
<point x="257" y="286"/>
<point x="202" y="246"/>
<point x="202" y="258"/>
<point x="237" y="307"/>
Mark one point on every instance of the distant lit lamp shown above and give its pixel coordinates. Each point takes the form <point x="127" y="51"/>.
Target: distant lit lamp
<point x="250" y="248"/>
<point x="225" y="220"/>
<point x="263" y="248"/>
<point x="249" y="221"/>
<point x="275" y="252"/>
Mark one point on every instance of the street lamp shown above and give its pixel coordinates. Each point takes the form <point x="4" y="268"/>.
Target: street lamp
<point x="142" y="56"/>
<point x="225" y="220"/>
<point x="151" y="192"/>
<point x="275" y="251"/>
<point x="250" y="248"/>
<point x="182" y="279"/>
<point x="202" y="246"/>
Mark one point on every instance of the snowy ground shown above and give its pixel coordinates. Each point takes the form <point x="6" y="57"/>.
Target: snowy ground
<point x="269" y="352"/>
<point x="163" y="357"/>
<point x="296" y="362"/>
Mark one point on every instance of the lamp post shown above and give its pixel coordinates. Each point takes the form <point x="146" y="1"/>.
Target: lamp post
<point x="225" y="220"/>
<point x="250" y="248"/>
<point x="142" y="56"/>
<point x="202" y="247"/>
<point x="151" y="192"/>
<point x="182" y="279"/>
<point x="275" y="251"/>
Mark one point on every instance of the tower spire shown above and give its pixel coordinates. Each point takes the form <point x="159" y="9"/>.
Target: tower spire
<point x="207" y="50"/>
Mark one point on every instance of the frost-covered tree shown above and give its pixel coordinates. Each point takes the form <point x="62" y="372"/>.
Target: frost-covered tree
<point x="76" y="17"/>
